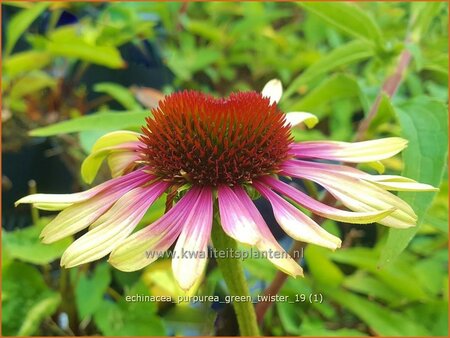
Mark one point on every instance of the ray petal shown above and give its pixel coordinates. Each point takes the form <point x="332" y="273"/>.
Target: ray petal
<point x="268" y="244"/>
<point x="295" y="223"/>
<point x="192" y="245"/>
<point x="358" y="152"/>
<point x="113" y="226"/>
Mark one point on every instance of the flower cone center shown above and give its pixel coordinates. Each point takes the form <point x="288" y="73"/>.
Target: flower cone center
<point x="196" y="138"/>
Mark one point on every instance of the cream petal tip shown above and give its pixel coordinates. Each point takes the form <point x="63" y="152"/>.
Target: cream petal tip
<point x="69" y="262"/>
<point x="273" y="90"/>
<point x="45" y="240"/>
<point x="295" y="118"/>
<point x="27" y="199"/>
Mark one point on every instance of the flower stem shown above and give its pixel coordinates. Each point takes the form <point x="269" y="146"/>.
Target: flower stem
<point x="233" y="274"/>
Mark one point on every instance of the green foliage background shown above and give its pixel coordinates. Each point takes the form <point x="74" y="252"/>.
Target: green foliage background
<point x="333" y="59"/>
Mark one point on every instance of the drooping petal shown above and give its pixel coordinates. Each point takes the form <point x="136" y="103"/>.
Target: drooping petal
<point x="356" y="194"/>
<point x="399" y="183"/>
<point x="191" y="250"/>
<point x="49" y="200"/>
<point x="235" y="218"/>
<point x="115" y="138"/>
<point x="51" y="207"/>
<point x="117" y="141"/>
<point x="358" y="152"/>
<point x="113" y="226"/>
<point x="273" y="90"/>
<point x="322" y="209"/>
<point x="61" y="201"/>
<point x="387" y="182"/>
<point x="122" y="161"/>
<point x="295" y="223"/>
<point x="148" y="244"/>
<point x="268" y="244"/>
<point x="80" y="215"/>
<point x="295" y="118"/>
<point x="377" y="165"/>
<point x="92" y="163"/>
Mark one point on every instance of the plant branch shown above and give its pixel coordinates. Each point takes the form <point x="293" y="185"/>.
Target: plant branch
<point x="389" y="88"/>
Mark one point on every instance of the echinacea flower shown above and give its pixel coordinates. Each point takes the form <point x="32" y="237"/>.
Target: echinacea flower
<point x="204" y="150"/>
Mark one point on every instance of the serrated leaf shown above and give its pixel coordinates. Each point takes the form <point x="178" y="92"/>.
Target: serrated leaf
<point x="425" y="125"/>
<point x="348" y="18"/>
<point x="108" y="120"/>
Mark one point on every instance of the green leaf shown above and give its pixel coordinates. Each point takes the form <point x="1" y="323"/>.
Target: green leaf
<point x="437" y="62"/>
<point x="25" y="62"/>
<point x="107" y="56"/>
<point x="108" y="120"/>
<point x="26" y="300"/>
<point x="20" y="23"/>
<point x="382" y="321"/>
<point x="334" y="88"/>
<point x="31" y="83"/>
<point x="324" y="270"/>
<point x="349" y="53"/>
<point x="189" y="58"/>
<point x="437" y="215"/>
<point x="315" y="328"/>
<point x="362" y="282"/>
<point x="289" y="317"/>
<point x="118" y="93"/>
<point x="89" y="291"/>
<point x="25" y="245"/>
<point x="431" y="274"/>
<point x="425" y="124"/>
<point x="39" y="311"/>
<point x="205" y="30"/>
<point x="425" y="12"/>
<point x="433" y="315"/>
<point x="347" y="17"/>
<point x="397" y="276"/>
<point x="127" y="318"/>
<point x="385" y="113"/>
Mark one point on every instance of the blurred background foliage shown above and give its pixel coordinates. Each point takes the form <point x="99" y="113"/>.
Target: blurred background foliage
<point x="75" y="71"/>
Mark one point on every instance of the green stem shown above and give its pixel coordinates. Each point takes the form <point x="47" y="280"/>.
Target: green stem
<point x="233" y="274"/>
<point x="34" y="211"/>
